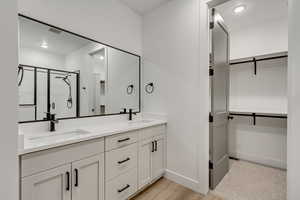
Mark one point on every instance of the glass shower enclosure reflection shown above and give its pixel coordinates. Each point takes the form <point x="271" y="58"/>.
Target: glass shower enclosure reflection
<point x="44" y="90"/>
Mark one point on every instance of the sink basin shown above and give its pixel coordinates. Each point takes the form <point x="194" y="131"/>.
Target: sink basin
<point x="59" y="135"/>
<point x="142" y="121"/>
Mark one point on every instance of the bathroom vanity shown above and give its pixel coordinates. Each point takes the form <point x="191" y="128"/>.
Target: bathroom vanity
<point x="114" y="162"/>
<point x="70" y="82"/>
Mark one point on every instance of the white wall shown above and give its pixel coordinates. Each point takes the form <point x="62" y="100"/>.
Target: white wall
<point x="123" y="70"/>
<point x="258" y="39"/>
<point x="106" y="21"/>
<point x="265" y="92"/>
<point x="171" y="60"/>
<point x="294" y="99"/>
<point x="8" y="102"/>
<point x="40" y="58"/>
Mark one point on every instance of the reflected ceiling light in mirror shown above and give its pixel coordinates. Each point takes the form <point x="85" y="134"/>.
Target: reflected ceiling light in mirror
<point x="101" y="57"/>
<point x="44" y="45"/>
<point x="239" y="9"/>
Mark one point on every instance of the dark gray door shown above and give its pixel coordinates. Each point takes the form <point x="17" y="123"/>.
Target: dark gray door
<point x="219" y="71"/>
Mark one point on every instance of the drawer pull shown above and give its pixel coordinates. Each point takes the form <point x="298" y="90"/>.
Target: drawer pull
<point x="123" y="140"/>
<point x="155" y="143"/>
<point x="123" y="189"/>
<point x="123" y="161"/>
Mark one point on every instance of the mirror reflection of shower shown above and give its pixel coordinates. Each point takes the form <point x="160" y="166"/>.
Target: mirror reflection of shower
<point x="69" y="101"/>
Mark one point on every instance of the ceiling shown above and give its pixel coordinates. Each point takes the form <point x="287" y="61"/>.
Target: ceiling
<point x="257" y="11"/>
<point x="33" y="34"/>
<point x="143" y="6"/>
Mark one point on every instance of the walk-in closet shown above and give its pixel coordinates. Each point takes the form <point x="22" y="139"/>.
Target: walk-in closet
<point x="248" y="69"/>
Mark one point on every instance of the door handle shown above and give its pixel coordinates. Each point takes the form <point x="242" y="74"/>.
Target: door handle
<point x="76" y="184"/>
<point x="123" y="161"/>
<point x="68" y="181"/>
<point x="123" y="189"/>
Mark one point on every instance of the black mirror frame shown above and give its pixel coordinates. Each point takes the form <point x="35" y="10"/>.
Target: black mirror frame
<point x="92" y="40"/>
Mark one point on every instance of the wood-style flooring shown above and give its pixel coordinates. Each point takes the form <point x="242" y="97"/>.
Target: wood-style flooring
<point x="165" y="189"/>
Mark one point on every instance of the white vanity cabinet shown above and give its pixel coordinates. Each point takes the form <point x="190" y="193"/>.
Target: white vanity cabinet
<point x="121" y="161"/>
<point x="49" y="185"/>
<point x="114" y="167"/>
<point x="88" y="178"/>
<point x="151" y="155"/>
<point x="72" y="172"/>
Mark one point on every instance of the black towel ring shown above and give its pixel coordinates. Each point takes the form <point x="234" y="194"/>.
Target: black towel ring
<point x="149" y="88"/>
<point x="130" y="89"/>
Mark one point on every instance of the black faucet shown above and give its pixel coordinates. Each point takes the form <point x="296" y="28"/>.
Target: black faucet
<point x="124" y="111"/>
<point x="130" y="114"/>
<point x="53" y="121"/>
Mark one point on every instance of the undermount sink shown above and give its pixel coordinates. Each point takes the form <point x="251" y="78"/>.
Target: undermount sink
<point x="59" y="135"/>
<point x="142" y="121"/>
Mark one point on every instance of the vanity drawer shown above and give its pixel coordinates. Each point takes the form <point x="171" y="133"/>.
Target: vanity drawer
<point x="48" y="159"/>
<point x="150" y="132"/>
<point x="120" y="140"/>
<point x="121" y="160"/>
<point x="122" y="187"/>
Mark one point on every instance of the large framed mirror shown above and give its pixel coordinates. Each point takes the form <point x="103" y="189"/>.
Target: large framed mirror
<point x="72" y="76"/>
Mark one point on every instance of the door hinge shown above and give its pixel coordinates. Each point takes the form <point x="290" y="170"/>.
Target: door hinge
<point x="211" y="25"/>
<point x="211" y="72"/>
<point x="211" y="165"/>
<point x="211" y="59"/>
<point x="211" y="118"/>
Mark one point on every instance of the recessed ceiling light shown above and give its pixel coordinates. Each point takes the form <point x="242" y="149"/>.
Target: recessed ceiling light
<point x="239" y="9"/>
<point x="44" y="45"/>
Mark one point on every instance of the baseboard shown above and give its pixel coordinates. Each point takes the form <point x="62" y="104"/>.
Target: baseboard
<point x="182" y="180"/>
<point x="260" y="160"/>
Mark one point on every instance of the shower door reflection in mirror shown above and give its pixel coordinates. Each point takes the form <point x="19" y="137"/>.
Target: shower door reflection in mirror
<point x="72" y="76"/>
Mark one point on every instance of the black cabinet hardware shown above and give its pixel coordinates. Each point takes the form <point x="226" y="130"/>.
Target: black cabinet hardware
<point x="76" y="178"/>
<point x="68" y="181"/>
<point x="123" y="140"/>
<point x="155" y="142"/>
<point x="230" y="117"/>
<point x="123" y="189"/>
<point x="123" y="161"/>
<point x="152" y="147"/>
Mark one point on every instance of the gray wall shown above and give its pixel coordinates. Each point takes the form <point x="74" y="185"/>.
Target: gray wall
<point x="294" y="102"/>
<point x="8" y="101"/>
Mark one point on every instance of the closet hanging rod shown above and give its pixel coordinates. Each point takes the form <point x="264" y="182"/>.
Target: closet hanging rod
<point x="258" y="59"/>
<point x="255" y="115"/>
<point x="259" y="115"/>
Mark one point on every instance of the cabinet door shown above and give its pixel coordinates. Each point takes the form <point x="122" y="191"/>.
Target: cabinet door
<point x="53" y="184"/>
<point x="88" y="178"/>
<point x="158" y="161"/>
<point x="144" y="167"/>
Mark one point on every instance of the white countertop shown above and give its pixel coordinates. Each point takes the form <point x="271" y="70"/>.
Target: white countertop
<point x="47" y="140"/>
